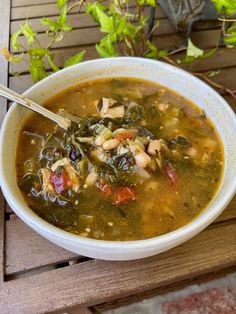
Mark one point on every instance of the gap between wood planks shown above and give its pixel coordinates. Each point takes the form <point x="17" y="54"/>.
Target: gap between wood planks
<point x="160" y="291"/>
<point x="83" y="20"/>
<point x="49" y="10"/>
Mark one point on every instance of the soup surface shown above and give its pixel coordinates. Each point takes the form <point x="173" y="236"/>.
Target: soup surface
<point x="138" y="161"/>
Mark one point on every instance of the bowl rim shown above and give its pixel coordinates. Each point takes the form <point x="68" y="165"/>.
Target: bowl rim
<point x="193" y="227"/>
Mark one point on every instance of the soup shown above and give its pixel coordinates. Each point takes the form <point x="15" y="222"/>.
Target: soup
<point x="138" y="160"/>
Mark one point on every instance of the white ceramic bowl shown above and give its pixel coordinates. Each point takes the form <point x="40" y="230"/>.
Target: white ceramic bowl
<point x="180" y="81"/>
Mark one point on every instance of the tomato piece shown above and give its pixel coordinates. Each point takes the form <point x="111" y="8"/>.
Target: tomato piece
<point x="60" y="181"/>
<point x="123" y="194"/>
<point x="124" y="136"/>
<point x="118" y="195"/>
<point x="171" y="174"/>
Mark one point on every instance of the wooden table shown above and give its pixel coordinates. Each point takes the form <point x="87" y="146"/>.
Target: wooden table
<point x="38" y="277"/>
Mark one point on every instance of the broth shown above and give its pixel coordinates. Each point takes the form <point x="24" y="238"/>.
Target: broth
<point x="138" y="161"/>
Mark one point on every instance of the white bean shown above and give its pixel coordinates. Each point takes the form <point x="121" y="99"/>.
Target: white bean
<point x="110" y="144"/>
<point x="154" y="147"/>
<point x="142" y="160"/>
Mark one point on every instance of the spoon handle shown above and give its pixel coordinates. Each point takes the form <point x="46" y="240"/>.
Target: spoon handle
<point x="13" y="96"/>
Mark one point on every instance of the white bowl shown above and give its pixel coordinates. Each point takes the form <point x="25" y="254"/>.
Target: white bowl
<point x="178" y="80"/>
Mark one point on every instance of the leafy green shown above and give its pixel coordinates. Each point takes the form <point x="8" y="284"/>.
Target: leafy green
<point x="154" y="52"/>
<point x="61" y="3"/>
<point x="106" y="22"/>
<point x="225" y="6"/>
<point x="91" y="9"/>
<point x="75" y="59"/>
<point x="53" y="25"/>
<point x="194" y="53"/>
<point x="106" y="46"/>
<point x="37" y="69"/>
<point x="28" y="33"/>
<point x="230" y="36"/>
<point x="152" y="3"/>
<point x="14" y="39"/>
<point x="51" y="63"/>
<point x="38" y="52"/>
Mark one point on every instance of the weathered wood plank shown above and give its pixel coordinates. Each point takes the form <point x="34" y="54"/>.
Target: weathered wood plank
<point x="4" y="41"/>
<point x="137" y="297"/>
<point x="231" y="101"/>
<point x="26" y="249"/>
<point x="92" y="35"/>
<point x="96" y="281"/>
<point x="22" y="3"/>
<point x="229" y="213"/>
<point x="50" y="9"/>
<point x="81" y="20"/>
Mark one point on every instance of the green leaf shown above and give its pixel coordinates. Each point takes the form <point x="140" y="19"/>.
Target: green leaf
<point x="120" y="26"/>
<point x="14" y="39"/>
<point x="67" y="28"/>
<point x="225" y="6"/>
<point x="91" y="10"/>
<point x="51" y="63"/>
<point x="38" y="52"/>
<point x="154" y="52"/>
<point x="141" y="2"/>
<point x="105" y="21"/>
<point x="18" y="59"/>
<point x="37" y="69"/>
<point x="75" y="59"/>
<point x="62" y="20"/>
<point x="230" y="37"/>
<point x="106" y="48"/>
<point x="189" y="59"/>
<point x="151" y="3"/>
<point x="53" y="25"/>
<point x="61" y="3"/>
<point x="28" y="33"/>
<point x="193" y="51"/>
<point x="63" y="16"/>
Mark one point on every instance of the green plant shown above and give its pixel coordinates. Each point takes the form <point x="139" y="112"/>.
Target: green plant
<point x="125" y="33"/>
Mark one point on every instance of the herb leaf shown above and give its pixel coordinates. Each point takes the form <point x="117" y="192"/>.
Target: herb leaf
<point x="61" y="3"/>
<point x="37" y="69"/>
<point x="14" y="39"/>
<point x="28" y="33"/>
<point x="75" y="59"/>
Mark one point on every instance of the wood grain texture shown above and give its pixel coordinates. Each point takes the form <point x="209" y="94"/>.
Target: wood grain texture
<point x="80" y="20"/>
<point x="92" y="35"/>
<point x="26" y="249"/>
<point x="96" y="281"/>
<point x="4" y="41"/>
<point x="22" y="3"/>
<point x="45" y="9"/>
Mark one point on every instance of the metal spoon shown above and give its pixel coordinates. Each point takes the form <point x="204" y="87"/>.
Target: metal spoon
<point x="5" y="92"/>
